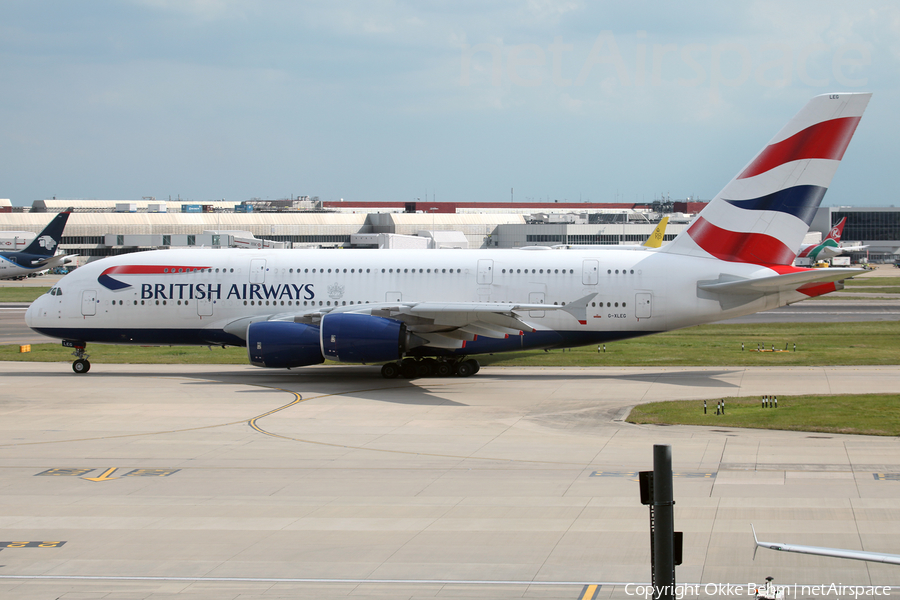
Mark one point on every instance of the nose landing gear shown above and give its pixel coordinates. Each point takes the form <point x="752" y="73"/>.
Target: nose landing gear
<point x="81" y="364"/>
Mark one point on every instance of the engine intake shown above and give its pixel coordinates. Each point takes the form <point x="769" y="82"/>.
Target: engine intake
<point x="283" y="344"/>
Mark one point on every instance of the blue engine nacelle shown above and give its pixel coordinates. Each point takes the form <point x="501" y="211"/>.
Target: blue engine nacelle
<point x="283" y="344"/>
<point x="351" y="337"/>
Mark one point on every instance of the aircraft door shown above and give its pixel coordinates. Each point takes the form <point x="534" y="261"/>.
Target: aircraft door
<point x="89" y="303"/>
<point x="536" y="298"/>
<point x="205" y="307"/>
<point x="590" y="272"/>
<point x="485" y="271"/>
<point x="642" y="305"/>
<point x="258" y="270"/>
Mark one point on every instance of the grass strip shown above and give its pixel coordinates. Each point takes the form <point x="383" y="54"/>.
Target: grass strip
<point x="22" y="294"/>
<point x="863" y="414"/>
<point x="872" y="282"/>
<point x="817" y="344"/>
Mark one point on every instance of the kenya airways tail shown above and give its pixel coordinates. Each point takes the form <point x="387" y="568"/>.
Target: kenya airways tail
<point x="830" y="246"/>
<point x="837" y="231"/>
<point x="761" y="216"/>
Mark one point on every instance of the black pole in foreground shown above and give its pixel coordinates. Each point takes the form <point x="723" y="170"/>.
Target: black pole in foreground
<point x="664" y="517"/>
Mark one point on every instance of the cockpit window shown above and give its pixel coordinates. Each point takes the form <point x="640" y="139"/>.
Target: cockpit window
<point x="55" y="292"/>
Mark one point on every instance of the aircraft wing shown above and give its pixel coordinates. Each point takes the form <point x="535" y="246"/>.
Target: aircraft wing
<point x="779" y="283"/>
<point x="893" y="559"/>
<point x="441" y="324"/>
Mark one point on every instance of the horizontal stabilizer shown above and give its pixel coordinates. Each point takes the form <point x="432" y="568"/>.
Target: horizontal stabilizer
<point x="778" y="283"/>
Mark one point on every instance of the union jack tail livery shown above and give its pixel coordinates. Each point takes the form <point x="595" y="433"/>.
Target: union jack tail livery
<point x="761" y="216"/>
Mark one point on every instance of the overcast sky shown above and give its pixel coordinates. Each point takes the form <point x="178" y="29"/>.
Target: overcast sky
<point x="462" y="100"/>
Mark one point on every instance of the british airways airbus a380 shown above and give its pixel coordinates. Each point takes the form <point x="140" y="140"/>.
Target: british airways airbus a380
<point x="427" y="312"/>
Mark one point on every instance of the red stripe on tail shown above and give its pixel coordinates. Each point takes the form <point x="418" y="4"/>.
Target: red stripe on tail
<point x="734" y="246"/>
<point x="828" y="139"/>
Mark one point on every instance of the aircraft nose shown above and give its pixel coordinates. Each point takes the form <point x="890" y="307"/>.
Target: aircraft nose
<point x="31" y="314"/>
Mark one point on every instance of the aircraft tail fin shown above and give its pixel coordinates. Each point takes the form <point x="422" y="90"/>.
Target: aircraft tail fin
<point x="656" y="238"/>
<point x="48" y="239"/>
<point x="761" y="216"/>
<point x="837" y="231"/>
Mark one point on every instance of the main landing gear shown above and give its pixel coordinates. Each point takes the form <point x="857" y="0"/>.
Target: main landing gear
<point x="81" y="364"/>
<point x="411" y="368"/>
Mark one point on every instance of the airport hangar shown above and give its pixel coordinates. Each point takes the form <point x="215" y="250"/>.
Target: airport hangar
<point x="100" y="228"/>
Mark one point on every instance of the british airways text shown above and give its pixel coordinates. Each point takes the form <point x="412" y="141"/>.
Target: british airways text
<point x="210" y="291"/>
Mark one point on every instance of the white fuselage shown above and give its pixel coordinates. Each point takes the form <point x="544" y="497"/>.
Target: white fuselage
<point x="191" y="296"/>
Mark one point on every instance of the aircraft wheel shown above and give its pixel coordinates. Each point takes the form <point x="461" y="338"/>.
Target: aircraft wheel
<point x="409" y="369"/>
<point x="477" y="366"/>
<point x="443" y="369"/>
<point x="466" y="368"/>
<point x="390" y="370"/>
<point x="424" y="368"/>
<point x="81" y="366"/>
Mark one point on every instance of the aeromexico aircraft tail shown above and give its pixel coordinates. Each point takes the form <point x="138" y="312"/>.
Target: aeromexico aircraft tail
<point x="48" y="239"/>
<point x="761" y="216"/>
<point x="428" y="312"/>
<point x="40" y="254"/>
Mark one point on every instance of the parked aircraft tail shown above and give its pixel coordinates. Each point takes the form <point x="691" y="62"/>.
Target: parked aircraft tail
<point x="656" y="238"/>
<point x="761" y="216"/>
<point x="47" y="240"/>
<point x="837" y="231"/>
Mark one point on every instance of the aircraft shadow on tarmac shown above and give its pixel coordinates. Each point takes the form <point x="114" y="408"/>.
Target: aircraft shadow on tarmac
<point x="365" y="382"/>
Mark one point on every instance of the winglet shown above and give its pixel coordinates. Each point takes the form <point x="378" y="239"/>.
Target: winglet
<point x="755" y="541"/>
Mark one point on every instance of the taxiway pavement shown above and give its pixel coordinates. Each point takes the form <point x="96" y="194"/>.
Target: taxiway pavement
<point x="233" y="482"/>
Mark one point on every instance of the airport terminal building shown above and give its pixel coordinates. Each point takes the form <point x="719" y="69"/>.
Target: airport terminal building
<point x="99" y="228"/>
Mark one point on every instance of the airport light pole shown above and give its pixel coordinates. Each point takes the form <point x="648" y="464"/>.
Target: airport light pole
<point x="665" y="545"/>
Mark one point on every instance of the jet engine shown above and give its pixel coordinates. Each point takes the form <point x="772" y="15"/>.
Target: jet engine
<point x="283" y="344"/>
<point x="360" y="338"/>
